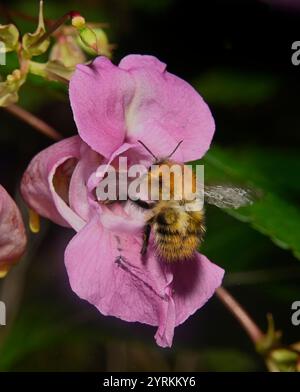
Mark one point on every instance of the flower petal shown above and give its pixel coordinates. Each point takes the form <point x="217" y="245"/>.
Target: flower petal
<point x="61" y="204"/>
<point x="12" y="231"/>
<point x="98" y="174"/>
<point x="107" y="271"/>
<point x="100" y="94"/>
<point x="80" y="199"/>
<point x="139" y="100"/>
<point x="119" y="219"/>
<point x="37" y="185"/>
<point x="165" y="332"/>
<point x="193" y="285"/>
<point x="165" y="110"/>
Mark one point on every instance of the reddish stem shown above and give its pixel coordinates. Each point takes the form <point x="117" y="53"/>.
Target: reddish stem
<point x="241" y="315"/>
<point x="34" y="121"/>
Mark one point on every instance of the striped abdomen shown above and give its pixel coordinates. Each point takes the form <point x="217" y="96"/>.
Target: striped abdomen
<point x="177" y="232"/>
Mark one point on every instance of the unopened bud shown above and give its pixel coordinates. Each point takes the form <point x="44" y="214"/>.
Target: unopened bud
<point x="283" y="355"/>
<point x="78" y="22"/>
<point x="95" y="41"/>
<point x="283" y="359"/>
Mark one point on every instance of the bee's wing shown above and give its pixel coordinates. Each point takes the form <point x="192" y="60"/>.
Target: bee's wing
<point x="227" y="196"/>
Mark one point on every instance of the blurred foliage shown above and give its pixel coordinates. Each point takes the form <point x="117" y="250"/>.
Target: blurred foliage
<point x="74" y="43"/>
<point x="227" y="360"/>
<point x="49" y="340"/>
<point x="231" y="87"/>
<point x="275" y="212"/>
<point x="152" y="6"/>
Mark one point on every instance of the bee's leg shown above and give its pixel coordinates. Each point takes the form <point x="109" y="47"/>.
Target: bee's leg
<point x="147" y="206"/>
<point x="143" y="204"/>
<point x="146" y="237"/>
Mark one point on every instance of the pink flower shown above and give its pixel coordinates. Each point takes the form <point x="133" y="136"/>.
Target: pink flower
<point x="12" y="232"/>
<point x="114" y="106"/>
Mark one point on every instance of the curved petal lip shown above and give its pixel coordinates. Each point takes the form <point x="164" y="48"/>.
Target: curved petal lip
<point x="37" y="186"/>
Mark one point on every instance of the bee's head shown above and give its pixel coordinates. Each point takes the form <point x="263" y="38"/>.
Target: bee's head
<point x="158" y="183"/>
<point x="161" y="160"/>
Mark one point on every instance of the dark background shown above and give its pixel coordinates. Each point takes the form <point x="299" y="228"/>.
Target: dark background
<point x="238" y="54"/>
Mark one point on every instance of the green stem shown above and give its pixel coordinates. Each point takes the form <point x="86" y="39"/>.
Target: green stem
<point x="37" y="69"/>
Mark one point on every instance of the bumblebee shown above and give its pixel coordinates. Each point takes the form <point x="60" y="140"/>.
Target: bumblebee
<point x="178" y="227"/>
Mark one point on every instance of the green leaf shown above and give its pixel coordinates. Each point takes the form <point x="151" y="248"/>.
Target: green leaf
<point x="275" y="175"/>
<point x="233" y="245"/>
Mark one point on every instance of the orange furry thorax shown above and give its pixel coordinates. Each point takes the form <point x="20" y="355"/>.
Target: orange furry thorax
<point x="170" y="178"/>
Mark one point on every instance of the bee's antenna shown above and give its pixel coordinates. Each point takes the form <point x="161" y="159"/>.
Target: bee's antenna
<point x="148" y="150"/>
<point x="175" y="149"/>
